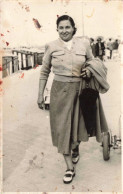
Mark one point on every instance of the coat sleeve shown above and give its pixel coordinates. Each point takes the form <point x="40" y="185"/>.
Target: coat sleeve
<point x="98" y="70"/>
<point x="46" y="63"/>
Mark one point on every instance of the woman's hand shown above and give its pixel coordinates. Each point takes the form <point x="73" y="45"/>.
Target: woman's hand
<point x="40" y="102"/>
<point x="86" y="73"/>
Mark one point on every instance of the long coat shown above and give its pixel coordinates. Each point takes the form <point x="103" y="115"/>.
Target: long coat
<point x="102" y="48"/>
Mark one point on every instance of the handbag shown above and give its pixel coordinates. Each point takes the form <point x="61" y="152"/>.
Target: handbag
<point x="87" y="98"/>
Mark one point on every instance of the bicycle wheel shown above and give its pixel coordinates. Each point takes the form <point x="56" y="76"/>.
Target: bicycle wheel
<point x="106" y="146"/>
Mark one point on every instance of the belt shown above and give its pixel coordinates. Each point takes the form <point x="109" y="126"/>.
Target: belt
<point x="63" y="78"/>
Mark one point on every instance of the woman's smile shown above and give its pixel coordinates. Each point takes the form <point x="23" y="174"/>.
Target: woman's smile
<point x="65" y="35"/>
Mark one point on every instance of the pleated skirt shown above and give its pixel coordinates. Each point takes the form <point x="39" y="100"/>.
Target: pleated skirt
<point x="66" y="119"/>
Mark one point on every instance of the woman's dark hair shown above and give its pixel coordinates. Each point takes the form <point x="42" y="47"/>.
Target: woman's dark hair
<point x="66" y="17"/>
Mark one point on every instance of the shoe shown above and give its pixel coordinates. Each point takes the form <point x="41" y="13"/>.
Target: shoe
<point x="75" y="155"/>
<point x="75" y="158"/>
<point x="68" y="177"/>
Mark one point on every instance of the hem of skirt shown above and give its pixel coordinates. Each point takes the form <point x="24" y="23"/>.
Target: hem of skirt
<point x="60" y="151"/>
<point x="99" y="140"/>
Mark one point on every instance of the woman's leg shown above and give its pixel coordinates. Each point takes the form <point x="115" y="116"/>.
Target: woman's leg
<point x="70" y="172"/>
<point x="76" y="149"/>
<point x="68" y="161"/>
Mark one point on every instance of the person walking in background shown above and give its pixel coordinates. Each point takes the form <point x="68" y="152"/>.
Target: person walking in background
<point x="115" y="54"/>
<point x="72" y="61"/>
<point x="93" y="46"/>
<point x="115" y="44"/>
<point x="100" y="49"/>
<point x="110" y="47"/>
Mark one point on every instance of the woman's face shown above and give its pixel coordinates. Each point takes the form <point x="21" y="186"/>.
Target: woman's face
<point x="65" y="30"/>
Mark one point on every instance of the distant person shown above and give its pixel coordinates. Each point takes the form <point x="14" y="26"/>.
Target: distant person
<point x="100" y="49"/>
<point x="110" y="47"/>
<point x="115" y="44"/>
<point x="115" y="53"/>
<point x="120" y="48"/>
<point x="93" y="46"/>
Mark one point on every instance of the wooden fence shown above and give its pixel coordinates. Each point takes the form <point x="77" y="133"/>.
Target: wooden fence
<point x="20" y="60"/>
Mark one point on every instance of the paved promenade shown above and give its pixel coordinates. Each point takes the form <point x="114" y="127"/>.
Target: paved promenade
<point x="31" y="163"/>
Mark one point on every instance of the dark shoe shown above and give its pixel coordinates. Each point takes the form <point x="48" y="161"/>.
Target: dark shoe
<point x="75" y="158"/>
<point x="75" y="155"/>
<point x="68" y="177"/>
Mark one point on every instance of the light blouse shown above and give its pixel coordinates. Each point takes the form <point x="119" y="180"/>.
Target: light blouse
<point x="65" y="62"/>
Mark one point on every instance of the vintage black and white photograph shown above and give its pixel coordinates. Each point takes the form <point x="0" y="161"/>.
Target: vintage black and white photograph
<point x="60" y="95"/>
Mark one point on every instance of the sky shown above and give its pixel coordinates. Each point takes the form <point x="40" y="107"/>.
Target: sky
<point x="92" y="18"/>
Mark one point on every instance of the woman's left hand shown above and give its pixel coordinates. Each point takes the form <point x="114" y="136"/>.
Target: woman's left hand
<point x="86" y="73"/>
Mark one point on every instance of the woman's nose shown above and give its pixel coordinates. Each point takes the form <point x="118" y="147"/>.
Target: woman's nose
<point x="64" y="30"/>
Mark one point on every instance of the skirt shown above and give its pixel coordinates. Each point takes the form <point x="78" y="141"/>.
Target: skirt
<point x="66" y="119"/>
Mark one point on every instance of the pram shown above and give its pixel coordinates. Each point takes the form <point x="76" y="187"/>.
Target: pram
<point x="109" y="141"/>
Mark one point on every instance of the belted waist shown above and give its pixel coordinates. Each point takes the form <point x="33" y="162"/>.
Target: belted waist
<point x="63" y="78"/>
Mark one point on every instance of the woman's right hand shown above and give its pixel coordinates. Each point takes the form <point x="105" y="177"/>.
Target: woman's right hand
<point x="40" y="102"/>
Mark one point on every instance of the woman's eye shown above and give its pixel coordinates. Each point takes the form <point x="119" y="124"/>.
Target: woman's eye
<point x="60" y="27"/>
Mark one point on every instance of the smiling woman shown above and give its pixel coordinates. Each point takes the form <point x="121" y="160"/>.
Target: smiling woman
<point x="68" y="56"/>
<point x="66" y="28"/>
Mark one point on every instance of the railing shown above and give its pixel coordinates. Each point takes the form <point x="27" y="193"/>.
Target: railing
<point x="20" y="60"/>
